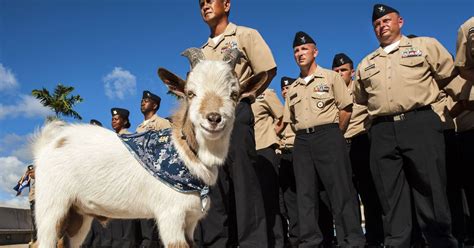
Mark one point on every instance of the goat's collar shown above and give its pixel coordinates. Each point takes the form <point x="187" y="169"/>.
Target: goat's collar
<point x="158" y="155"/>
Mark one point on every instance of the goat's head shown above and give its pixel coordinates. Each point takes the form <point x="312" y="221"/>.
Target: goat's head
<point x="211" y="92"/>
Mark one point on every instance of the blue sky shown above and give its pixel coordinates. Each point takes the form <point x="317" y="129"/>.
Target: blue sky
<point x="110" y="51"/>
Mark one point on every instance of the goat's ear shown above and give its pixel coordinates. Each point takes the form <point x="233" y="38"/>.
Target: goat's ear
<point x="254" y="85"/>
<point x="174" y="83"/>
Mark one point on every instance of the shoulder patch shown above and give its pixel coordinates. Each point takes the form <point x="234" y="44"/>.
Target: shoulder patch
<point x="369" y="67"/>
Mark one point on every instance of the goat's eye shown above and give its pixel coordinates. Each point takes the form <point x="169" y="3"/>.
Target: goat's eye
<point x="191" y="94"/>
<point x="234" y="95"/>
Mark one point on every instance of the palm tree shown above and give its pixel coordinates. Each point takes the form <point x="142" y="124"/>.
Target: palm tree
<point x="60" y="102"/>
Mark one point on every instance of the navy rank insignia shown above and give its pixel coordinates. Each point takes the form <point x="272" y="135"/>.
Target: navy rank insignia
<point x="411" y="52"/>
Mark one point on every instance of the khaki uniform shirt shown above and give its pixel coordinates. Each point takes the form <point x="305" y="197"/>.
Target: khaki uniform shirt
<point x="154" y="123"/>
<point x="287" y="139"/>
<point x="465" y="47"/>
<point x="267" y="109"/>
<point x="404" y="79"/>
<point x="317" y="102"/>
<point x="257" y="56"/>
<point x="124" y="131"/>
<point x="360" y="121"/>
<point x="443" y="104"/>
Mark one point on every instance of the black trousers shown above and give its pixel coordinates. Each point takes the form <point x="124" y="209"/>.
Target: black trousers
<point x="359" y="153"/>
<point x="466" y="144"/>
<point x="288" y="188"/>
<point x="150" y="237"/>
<point x="117" y="233"/>
<point x="236" y="200"/>
<point x="267" y="173"/>
<point x="454" y="184"/>
<point x="409" y="155"/>
<point x="322" y="156"/>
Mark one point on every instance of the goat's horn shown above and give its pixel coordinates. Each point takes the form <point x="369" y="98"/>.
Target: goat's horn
<point x="194" y="55"/>
<point x="232" y="56"/>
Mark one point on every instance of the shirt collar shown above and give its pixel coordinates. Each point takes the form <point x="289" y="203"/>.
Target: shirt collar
<point x="318" y="73"/>
<point x="404" y="42"/>
<point x="231" y="29"/>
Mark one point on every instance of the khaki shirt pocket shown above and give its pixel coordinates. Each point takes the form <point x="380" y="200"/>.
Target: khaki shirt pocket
<point x="412" y="68"/>
<point x="296" y="106"/>
<point x="367" y="78"/>
<point x="320" y="101"/>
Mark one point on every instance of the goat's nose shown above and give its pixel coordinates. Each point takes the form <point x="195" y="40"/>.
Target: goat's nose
<point x="214" y="118"/>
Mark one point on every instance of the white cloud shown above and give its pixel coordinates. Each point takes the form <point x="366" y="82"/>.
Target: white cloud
<point x="17" y="145"/>
<point x="7" y="79"/>
<point x="119" y="83"/>
<point x="12" y="169"/>
<point x="27" y="106"/>
<point x="17" y="202"/>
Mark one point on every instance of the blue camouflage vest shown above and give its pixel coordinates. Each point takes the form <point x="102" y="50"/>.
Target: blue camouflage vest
<point x="157" y="154"/>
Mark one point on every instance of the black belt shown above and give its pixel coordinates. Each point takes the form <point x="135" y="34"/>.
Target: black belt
<point x="316" y="128"/>
<point x="400" y="117"/>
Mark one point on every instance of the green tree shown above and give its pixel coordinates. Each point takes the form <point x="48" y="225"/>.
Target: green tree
<point x="61" y="102"/>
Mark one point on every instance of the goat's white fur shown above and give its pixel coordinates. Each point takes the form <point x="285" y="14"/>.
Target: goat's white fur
<point x="87" y="168"/>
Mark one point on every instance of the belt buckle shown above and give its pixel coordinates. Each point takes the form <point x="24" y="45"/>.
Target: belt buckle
<point x="399" y="117"/>
<point x="309" y="130"/>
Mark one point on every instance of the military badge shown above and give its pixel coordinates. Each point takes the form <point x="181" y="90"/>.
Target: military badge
<point x="320" y="104"/>
<point x="411" y="52"/>
<point x="321" y="88"/>
<point x="229" y="45"/>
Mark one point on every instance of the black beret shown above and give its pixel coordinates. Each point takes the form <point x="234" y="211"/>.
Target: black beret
<point x="287" y="81"/>
<point x="148" y="94"/>
<point x="341" y="59"/>
<point x="30" y="167"/>
<point x="302" y="38"/>
<point x="95" y="122"/>
<point x="120" y="111"/>
<point x="381" y="10"/>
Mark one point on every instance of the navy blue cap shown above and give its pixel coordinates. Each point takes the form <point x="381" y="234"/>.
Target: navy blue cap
<point x="341" y="59"/>
<point x="381" y="10"/>
<point x="148" y="94"/>
<point x="287" y="81"/>
<point x="302" y="38"/>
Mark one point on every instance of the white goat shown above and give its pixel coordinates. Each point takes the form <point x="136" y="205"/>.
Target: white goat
<point x="84" y="171"/>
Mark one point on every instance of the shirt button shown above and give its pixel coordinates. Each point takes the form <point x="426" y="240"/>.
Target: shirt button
<point x="389" y="87"/>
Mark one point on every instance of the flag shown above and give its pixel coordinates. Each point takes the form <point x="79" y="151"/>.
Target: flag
<point x="22" y="183"/>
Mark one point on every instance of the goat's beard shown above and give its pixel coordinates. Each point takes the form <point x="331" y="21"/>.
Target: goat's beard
<point x="213" y="148"/>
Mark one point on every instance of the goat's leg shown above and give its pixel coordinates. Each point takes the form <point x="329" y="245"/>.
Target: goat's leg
<point x="50" y="221"/>
<point x="192" y="220"/>
<point x="78" y="233"/>
<point x="172" y="231"/>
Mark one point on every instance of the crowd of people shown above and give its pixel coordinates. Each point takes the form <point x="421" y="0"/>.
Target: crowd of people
<point x="392" y="134"/>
